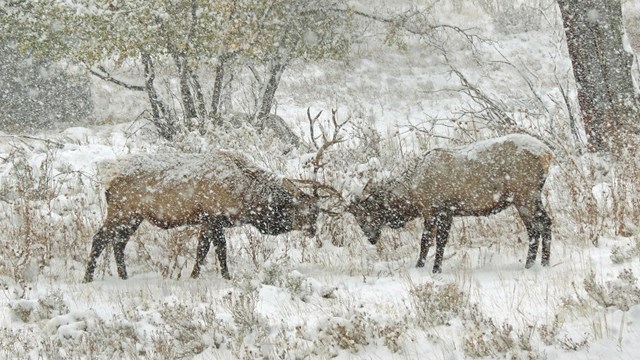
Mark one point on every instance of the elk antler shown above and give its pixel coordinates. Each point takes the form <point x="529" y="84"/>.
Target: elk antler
<point x="330" y="136"/>
<point x="327" y="141"/>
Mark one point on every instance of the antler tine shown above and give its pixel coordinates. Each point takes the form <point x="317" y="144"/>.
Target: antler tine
<point x="334" y="116"/>
<point x="332" y="192"/>
<point x="309" y="115"/>
<point x="334" y="119"/>
<point x="330" y="212"/>
<point x="312" y="121"/>
<point x="318" y="185"/>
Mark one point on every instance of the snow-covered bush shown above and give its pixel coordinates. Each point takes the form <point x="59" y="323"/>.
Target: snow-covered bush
<point x="436" y="305"/>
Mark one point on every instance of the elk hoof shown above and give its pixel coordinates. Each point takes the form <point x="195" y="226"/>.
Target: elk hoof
<point x="437" y="270"/>
<point x="420" y="263"/>
<point x="529" y="264"/>
<point x="123" y="274"/>
<point x="87" y="279"/>
<point x="545" y="262"/>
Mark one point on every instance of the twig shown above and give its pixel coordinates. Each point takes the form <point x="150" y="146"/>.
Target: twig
<point x="47" y="141"/>
<point x="495" y="112"/>
<point x="402" y="21"/>
<point x="572" y="119"/>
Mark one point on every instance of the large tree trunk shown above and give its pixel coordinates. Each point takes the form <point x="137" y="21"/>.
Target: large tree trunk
<point x="602" y="70"/>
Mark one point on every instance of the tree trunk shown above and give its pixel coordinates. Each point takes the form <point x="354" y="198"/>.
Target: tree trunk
<point x="202" y="109"/>
<point x="186" y="96"/>
<point x="602" y="71"/>
<point x="269" y="89"/>
<point x="158" y="110"/>
<point x="216" y="97"/>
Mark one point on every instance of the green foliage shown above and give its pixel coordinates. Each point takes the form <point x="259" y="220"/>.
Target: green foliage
<point x="184" y="35"/>
<point x="91" y="31"/>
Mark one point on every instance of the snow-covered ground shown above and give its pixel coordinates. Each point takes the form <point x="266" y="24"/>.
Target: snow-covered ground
<point x="334" y="295"/>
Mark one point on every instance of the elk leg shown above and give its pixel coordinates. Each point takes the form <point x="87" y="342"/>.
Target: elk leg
<point x="204" y="244"/>
<point x="221" y="250"/>
<point x="528" y="218"/>
<point x="543" y="229"/>
<point x="214" y="231"/>
<point x="123" y="234"/>
<point x="426" y="241"/>
<point x="100" y="240"/>
<point x="443" y="225"/>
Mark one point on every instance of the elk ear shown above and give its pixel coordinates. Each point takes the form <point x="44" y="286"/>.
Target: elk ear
<point x="354" y="206"/>
<point x="366" y="189"/>
<point x="291" y="187"/>
<point x="351" y="207"/>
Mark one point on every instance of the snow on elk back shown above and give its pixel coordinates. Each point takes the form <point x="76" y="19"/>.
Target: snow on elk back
<point x="214" y="190"/>
<point x="170" y="184"/>
<point x="479" y="179"/>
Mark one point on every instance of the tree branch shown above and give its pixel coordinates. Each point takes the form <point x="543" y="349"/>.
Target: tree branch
<point x="402" y="21"/>
<point x="107" y="77"/>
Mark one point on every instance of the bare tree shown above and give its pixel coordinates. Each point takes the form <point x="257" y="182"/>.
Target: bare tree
<point x="607" y="97"/>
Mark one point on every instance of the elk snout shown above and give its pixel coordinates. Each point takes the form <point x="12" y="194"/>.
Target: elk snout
<point x="371" y="234"/>
<point x="309" y="230"/>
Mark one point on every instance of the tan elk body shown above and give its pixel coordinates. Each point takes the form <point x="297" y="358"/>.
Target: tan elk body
<point x="479" y="179"/>
<point x="215" y="190"/>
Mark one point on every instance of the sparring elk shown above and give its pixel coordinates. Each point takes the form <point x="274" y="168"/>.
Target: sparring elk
<point x="479" y="179"/>
<point x="215" y="191"/>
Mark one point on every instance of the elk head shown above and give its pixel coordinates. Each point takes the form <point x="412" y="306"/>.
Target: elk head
<point x="377" y="207"/>
<point x="304" y="209"/>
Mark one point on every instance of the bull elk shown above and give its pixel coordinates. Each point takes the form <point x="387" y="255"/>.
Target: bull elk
<point x="479" y="179"/>
<point x="215" y="191"/>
